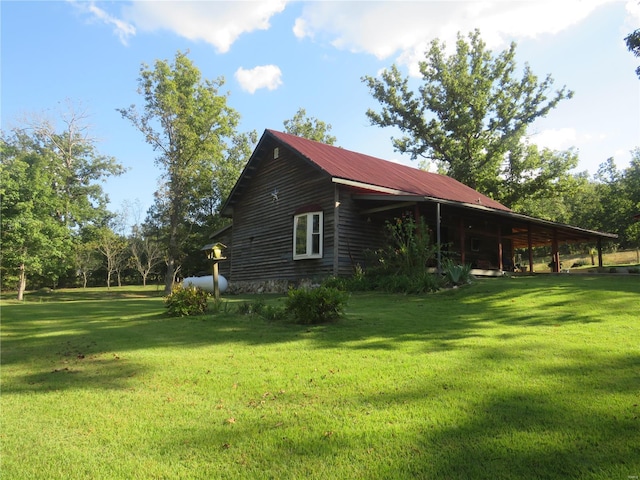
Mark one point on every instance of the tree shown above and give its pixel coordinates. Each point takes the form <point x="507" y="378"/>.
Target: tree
<point x="633" y="44"/>
<point x="146" y="253"/>
<point x="49" y="192"/>
<point x="309" y="127"/>
<point x="112" y="246"/>
<point x="33" y="241"/>
<point x="77" y="166"/>
<point x="86" y="260"/>
<point x="470" y="117"/>
<point x="192" y="128"/>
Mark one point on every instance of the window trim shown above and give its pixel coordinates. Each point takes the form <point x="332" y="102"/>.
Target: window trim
<point x="309" y="235"/>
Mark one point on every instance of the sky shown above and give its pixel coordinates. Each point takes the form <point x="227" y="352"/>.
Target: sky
<point x="279" y="56"/>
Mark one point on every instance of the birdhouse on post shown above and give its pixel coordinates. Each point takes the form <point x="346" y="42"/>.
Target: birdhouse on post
<point x="214" y="253"/>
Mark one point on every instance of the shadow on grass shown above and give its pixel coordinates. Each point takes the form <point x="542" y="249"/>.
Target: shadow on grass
<point x="85" y="323"/>
<point x="511" y="432"/>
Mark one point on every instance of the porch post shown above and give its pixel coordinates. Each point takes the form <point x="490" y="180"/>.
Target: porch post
<point x="336" y="230"/>
<point x="499" y="249"/>
<point x="555" y="254"/>
<point x="530" y="247"/>
<point x="600" y="252"/>
<point x="438" y="237"/>
<point x="461" y="236"/>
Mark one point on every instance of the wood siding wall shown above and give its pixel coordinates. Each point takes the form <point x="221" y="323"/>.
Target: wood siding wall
<point x="262" y="239"/>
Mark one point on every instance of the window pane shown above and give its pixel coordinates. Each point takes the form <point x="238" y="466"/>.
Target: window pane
<point x="316" y="223"/>
<point x="315" y="245"/>
<point x="301" y="235"/>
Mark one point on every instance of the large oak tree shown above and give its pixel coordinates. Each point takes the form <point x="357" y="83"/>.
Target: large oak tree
<point x="470" y="117"/>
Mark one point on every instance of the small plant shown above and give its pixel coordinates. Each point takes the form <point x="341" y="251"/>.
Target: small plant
<point x="456" y="274"/>
<point x="259" y="307"/>
<point x="319" y="305"/>
<point x="183" y="301"/>
<point x="251" y="308"/>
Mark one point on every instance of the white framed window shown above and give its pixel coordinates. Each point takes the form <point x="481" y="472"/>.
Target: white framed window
<point x="307" y="235"/>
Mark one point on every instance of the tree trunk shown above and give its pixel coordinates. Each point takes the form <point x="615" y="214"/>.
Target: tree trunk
<point x="84" y="279"/>
<point x="22" y="282"/>
<point x="144" y="280"/>
<point x="172" y="253"/>
<point x="168" y="278"/>
<point x="108" y="279"/>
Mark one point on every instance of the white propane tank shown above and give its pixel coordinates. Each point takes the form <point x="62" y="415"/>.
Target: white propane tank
<point x="206" y="283"/>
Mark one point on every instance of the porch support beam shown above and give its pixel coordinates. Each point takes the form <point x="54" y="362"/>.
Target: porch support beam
<point x="600" y="253"/>
<point x="336" y="230"/>
<point x="438" y="238"/>
<point x="555" y="254"/>
<point x="499" y="249"/>
<point x="461" y="234"/>
<point x="391" y="206"/>
<point x="530" y="247"/>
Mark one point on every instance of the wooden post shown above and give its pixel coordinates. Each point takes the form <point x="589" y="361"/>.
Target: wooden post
<point x="462" y="245"/>
<point x="216" y="282"/>
<point x="600" y="252"/>
<point x="336" y="231"/>
<point x="555" y="254"/>
<point x="438" y="240"/>
<point x="530" y="246"/>
<point x="500" y="249"/>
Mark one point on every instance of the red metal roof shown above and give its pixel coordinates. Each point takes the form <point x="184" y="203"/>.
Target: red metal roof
<point x="358" y="167"/>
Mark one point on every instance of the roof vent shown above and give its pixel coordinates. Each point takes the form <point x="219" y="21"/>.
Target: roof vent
<point x="276" y="153"/>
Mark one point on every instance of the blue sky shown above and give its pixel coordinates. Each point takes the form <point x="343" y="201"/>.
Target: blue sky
<point x="278" y="56"/>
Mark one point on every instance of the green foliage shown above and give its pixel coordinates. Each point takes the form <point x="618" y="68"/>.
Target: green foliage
<point x="633" y="44"/>
<point x="317" y="305"/>
<point x="49" y="192"/>
<point x="470" y="116"/>
<point x="409" y="248"/>
<point x="456" y="274"/>
<point x="309" y="127"/>
<point x="189" y="122"/>
<point x="184" y="301"/>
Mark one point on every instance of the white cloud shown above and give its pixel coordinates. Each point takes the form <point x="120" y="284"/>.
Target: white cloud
<point x="564" y="138"/>
<point x="263" y="76"/>
<point x="121" y="28"/>
<point x="555" y="139"/>
<point x="217" y="23"/>
<point x="405" y="29"/>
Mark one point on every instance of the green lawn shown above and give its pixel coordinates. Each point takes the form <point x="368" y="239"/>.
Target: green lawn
<point x="528" y="377"/>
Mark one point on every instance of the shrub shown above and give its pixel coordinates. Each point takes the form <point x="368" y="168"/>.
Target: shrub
<point x="259" y="307"/>
<point x="319" y="305"/>
<point x="456" y="274"/>
<point x="409" y="248"/>
<point x="250" y="308"/>
<point x="186" y="301"/>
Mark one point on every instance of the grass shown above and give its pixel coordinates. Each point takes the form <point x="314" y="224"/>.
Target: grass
<point x="622" y="258"/>
<point x="528" y="377"/>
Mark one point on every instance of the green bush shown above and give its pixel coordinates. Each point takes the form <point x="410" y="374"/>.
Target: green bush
<point x="186" y="301"/>
<point x="271" y="313"/>
<point x="318" y="305"/>
<point x="455" y="274"/>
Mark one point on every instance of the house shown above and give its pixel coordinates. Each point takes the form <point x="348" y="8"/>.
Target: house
<point x="306" y="210"/>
